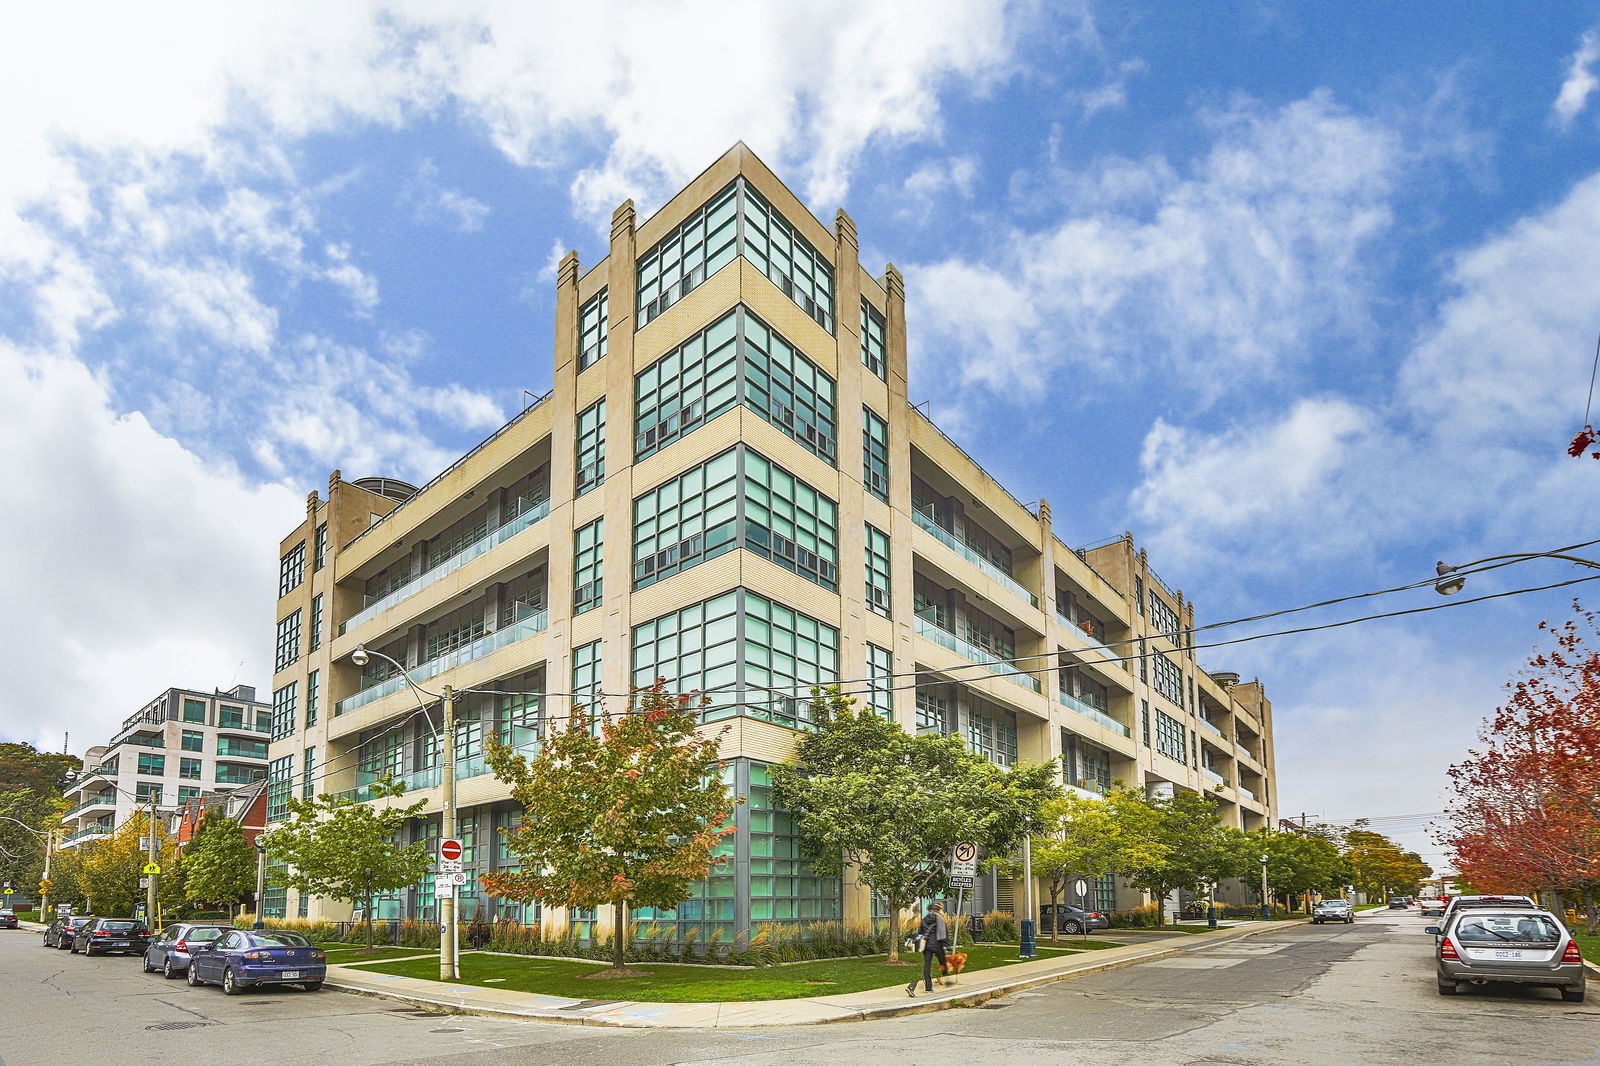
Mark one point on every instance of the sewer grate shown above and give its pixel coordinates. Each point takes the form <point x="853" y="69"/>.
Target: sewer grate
<point x="177" y="1025"/>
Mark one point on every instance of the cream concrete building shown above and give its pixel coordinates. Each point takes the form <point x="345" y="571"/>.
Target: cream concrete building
<point x="728" y="487"/>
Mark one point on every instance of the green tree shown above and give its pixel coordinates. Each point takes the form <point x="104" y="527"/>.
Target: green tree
<point x="219" y="863"/>
<point x="869" y="795"/>
<point x="31" y="784"/>
<point x="110" y="869"/>
<point x="622" y="811"/>
<point x="346" y="850"/>
<point x="1296" y="863"/>
<point x="1195" y="848"/>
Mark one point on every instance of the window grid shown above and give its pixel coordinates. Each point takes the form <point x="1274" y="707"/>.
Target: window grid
<point x="283" y="710"/>
<point x="874" y="350"/>
<point x="878" y="571"/>
<point x="187" y="793"/>
<point x="147" y="792"/>
<point x="591" y="447"/>
<point x="1163" y="619"/>
<point x="461" y="626"/>
<point x="788" y="521"/>
<point x="688" y="386"/>
<point x="783" y="887"/>
<point x="280" y="781"/>
<point x="291" y="569"/>
<point x="875" y="452"/>
<point x="697" y="248"/>
<point x="992" y="735"/>
<point x="786" y="388"/>
<point x="319" y="550"/>
<point x="1170" y="740"/>
<point x="880" y="680"/>
<point x="152" y="765"/>
<point x="588" y="548"/>
<point x="776" y="248"/>
<point x="311" y="698"/>
<point x="314" y="638"/>
<point x="692" y="518"/>
<point x="592" y="331"/>
<point x="1169" y="679"/>
<point x="933" y="711"/>
<point x="288" y="647"/>
<point x="189" y="769"/>
<point x="308" y="774"/>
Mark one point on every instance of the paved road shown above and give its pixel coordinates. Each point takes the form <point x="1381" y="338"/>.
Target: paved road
<point x="1324" y="995"/>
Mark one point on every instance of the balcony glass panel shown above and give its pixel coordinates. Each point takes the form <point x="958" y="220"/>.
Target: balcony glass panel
<point x="1073" y="703"/>
<point x="98" y="801"/>
<point x="87" y="831"/>
<point x="1212" y="775"/>
<point x="1247" y="794"/>
<point x="948" y="539"/>
<point x="1088" y="793"/>
<point x="947" y="639"/>
<point x="1213" y="728"/>
<point x="143" y="741"/>
<point x="1242" y="750"/>
<point x="455" y="562"/>
<point x="477" y="649"/>
<point x="242" y="749"/>
<point x="238" y="777"/>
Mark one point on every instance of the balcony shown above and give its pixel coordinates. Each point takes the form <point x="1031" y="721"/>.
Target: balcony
<point x="946" y="639"/>
<point x="243" y="726"/>
<point x="477" y="649"/>
<point x="1094" y="790"/>
<point x="486" y="543"/>
<point x="86" y="833"/>
<point x="106" y="800"/>
<point x="1207" y="725"/>
<point x="239" y="777"/>
<point x="1088" y="710"/>
<point x="1247" y="794"/>
<point x="143" y="741"/>
<point x="945" y="537"/>
<point x="1214" y="777"/>
<point x="241" y="749"/>
<point x="1244" y="751"/>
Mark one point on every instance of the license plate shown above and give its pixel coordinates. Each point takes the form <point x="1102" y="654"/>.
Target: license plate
<point x="1508" y="954"/>
<point x="290" y="975"/>
<point x="120" y="944"/>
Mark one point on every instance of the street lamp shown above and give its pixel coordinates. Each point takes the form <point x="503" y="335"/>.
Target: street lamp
<point x="1265" y="916"/>
<point x="1446" y="585"/>
<point x="261" y="881"/>
<point x="449" y="944"/>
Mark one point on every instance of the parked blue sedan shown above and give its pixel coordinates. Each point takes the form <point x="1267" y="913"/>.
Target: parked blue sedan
<point x="238" y="959"/>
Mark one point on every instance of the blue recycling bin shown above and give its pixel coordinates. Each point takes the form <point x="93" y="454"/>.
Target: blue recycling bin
<point x="1029" y="950"/>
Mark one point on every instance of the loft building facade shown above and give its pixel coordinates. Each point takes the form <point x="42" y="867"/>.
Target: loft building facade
<point x="181" y="745"/>
<point x="727" y="487"/>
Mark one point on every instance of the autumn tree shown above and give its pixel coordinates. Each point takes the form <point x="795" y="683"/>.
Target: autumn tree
<point x="346" y="850"/>
<point x="31" y="784"/>
<point x="892" y="806"/>
<point x="109" y="869"/>
<point x="219" y="864"/>
<point x="1380" y="867"/>
<point x="1297" y="863"/>
<point x="620" y="810"/>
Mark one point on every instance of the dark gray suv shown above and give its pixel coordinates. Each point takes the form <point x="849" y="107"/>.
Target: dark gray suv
<point x="169" y="950"/>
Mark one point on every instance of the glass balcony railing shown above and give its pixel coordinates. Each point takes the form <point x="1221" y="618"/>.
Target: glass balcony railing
<point x="1213" y="776"/>
<point x="252" y="749"/>
<point x="493" y="539"/>
<point x="477" y="649"/>
<point x="947" y="639"/>
<point x="107" y="800"/>
<point x="143" y="741"/>
<point x="1090" y="790"/>
<point x="239" y="777"/>
<point x="1242" y="750"/>
<point x="86" y="832"/>
<point x="1213" y="728"/>
<point x="948" y="539"/>
<point x="1089" y="710"/>
<point x="1247" y="794"/>
<point x="247" y="727"/>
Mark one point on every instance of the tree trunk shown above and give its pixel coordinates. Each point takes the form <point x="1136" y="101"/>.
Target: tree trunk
<point x="894" y="928"/>
<point x="619" y="936"/>
<point x="366" y="918"/>
<point x="1591" y="916"/>
<point x="1055" y="916"/>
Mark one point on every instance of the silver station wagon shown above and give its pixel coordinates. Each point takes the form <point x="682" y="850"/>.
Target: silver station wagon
<point x="1518" y="945"/>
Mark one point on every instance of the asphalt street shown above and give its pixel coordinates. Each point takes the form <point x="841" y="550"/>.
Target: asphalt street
<point x="1334" y="994"/>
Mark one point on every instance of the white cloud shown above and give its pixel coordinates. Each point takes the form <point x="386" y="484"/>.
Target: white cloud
<point x="1580" y="82"/>
<point x="434" y="204"/>
<point x="936" y="180"/>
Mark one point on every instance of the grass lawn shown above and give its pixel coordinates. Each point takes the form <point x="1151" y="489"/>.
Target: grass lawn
<point x="1589" y="945"/>
<point x="341" y="954"/>
<point x="700" y="984"/>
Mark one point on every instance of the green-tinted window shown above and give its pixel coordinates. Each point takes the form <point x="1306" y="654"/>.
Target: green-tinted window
<point x="874" y="350"/>
<point x="694" y="648"/>
<point x="933" y="711"/>
<point x="187" y="793"/>
<point x="283" y="710"/>
<point x="783" y="886"/>
<point x="701" y="245"/>
<point x="776" y="249"/>
<point x="147" y="792"/>
<point x="592" y="331"/>
<point x="1144" y="720"/>
<point x="789" y="522"/>
<point x="688" y="386"/>
<point x="785" y="653"/>
<point x="591" y="446"/>
<point x="457" y="629"/>
<point x="586" y="668"/>
<point x="989" y="635"/>
<point x="992" y="733"/>
<point x="288" y="648"/>
<point x="588" y="546"/>
<point x="875" y="453"/>
<point x="878" y="580"/>
<point x="308" y="774"/>
<point x="787" y="389"/>
<point x="280" y="780"/>
<point x="189" y="769"/>
<point x="314" y="639"/>
<point x="311" y="698"/>
<point x="1170" y="740"/>
<point x="319" y="554"/>
<point x="291" y="569"/>
<point x="152" y="765"/>
<point x="880" y="680"/>
<point x="194" y="711"/>
<point x="692" y="518"/>
<point x="193" y="741"/>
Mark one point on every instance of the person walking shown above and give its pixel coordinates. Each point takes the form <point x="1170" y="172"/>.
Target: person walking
<point x="935" y="935"/>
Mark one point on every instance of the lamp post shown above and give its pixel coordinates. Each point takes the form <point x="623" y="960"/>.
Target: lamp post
<point x="1446" y="585"/>
<point x="261" y="881"/>
<point x="449" y="941"/>
<point x="1025" y="928"/>
<point x="1265" y="915"/>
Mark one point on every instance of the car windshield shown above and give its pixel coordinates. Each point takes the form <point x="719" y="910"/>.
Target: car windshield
<point x="279" y="940"/>
<point x="119" y="926"/>
<point x="1334" y="903"/>
<point x="202" y="934"/>
<point x="1478" y="929"/>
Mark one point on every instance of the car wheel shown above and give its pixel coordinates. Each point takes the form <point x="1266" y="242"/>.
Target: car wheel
<point x="73" y="947"/>
<point x="1572" y="995"/>
<point x="1072" y="927"/>
<point x="1447" y="988"/>
<point x="230" y="987"/>
<point x="316" y="986"/>
<point x="1350" y="920"/>
<point x="144" y="963"/>
<point x="166" y="969"/>
<point x="192" y="975"/>
<point x="87" y="952"/>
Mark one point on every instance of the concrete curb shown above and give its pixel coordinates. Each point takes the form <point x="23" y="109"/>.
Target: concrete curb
<point x="821" y="1010"/>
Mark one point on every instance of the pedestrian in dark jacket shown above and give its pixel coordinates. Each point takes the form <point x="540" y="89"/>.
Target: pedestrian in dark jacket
<point x="935" y="934"/>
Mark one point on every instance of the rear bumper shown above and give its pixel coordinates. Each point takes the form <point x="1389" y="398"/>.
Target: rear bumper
<point x="1565" y="975"/>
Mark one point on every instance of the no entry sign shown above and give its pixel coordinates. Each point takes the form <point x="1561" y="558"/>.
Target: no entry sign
<point x="450" y="850"/>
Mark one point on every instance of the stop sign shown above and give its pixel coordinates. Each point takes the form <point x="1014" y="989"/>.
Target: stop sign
<point x="450" y="849"/>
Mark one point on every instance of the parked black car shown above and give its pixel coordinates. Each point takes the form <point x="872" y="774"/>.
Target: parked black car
<point x="105" y="935"/>
<point x="8" y="919"/>
<point x="60" y="932"/>
<point x="1073" y="919"/>
<point x="169" y="950"/>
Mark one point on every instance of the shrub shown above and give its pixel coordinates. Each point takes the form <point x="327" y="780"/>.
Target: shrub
<point x="999" y="926"/>
<point x="1141" y="917"/>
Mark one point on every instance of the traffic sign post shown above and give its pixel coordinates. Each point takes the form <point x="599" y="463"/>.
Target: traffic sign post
<point x="963" y="876"/>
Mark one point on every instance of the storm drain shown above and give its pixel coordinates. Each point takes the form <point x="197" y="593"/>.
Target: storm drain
<point x="176" y="1025"/>
<point x="416" y="1012"/>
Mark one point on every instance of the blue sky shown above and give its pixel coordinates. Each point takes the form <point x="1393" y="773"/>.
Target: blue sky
<point x="1299" y="294"/>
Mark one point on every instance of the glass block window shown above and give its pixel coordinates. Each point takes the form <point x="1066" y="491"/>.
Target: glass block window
<point x="787" y="389"/>
<point x="776" y="249"/>
<point x="592" y="331"/>
<point x="688" y="386"/>
<point x="283" y="710"/>
<point x="586" y="669"/>
<point x="1105" y="893"/>
<point x="701" y="245"/>
<point x="152" y="765"/>
<point x="319" y="552"/>
<point x="291" y="569"/>
<point x="314" y="639"/>
<point x="992" y="733"/>
<point x="1169" y="678"/>
<point x="933" y="711"/>
<point x="193" y="740"/>
<point x="189" y="769"/>
<point x="288" y="646"/>
<point x="280" y="781"/>
<point x="789" y="522"/>
<point x="880" y="680"/>
<point x="783" y="887"/>
<point x="874" y="350"/>
<point x="308" y="774"/>
<point x="591" y="446"/>
<point x="692" y="518"/>
<point x="311" y="698"/>
<point x="878" y="579"/>
<point x="588" y="547"/>
<point x="1170" y="737"/>
<point x="875" y="453"/>
<point x="194" y="711"/>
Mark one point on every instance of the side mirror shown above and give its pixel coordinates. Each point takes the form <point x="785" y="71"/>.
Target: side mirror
<point x="1434" y="929"/>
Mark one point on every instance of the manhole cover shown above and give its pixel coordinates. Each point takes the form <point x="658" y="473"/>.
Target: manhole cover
<point x="177" y="1025"/>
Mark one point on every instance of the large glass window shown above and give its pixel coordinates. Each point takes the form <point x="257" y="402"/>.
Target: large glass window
<point x="192" y="740"/>
<point x="874" y="351"/>
<point x="933" y="710"/>
<point x="992" y="733"/>
<point x="701" y="245"/>
<point x="875" y="453"/>
<point x="311" y="698"/>
<point x="1170" y="739"/>
<point x="591" y="446"/>
<point x="1164" y="619"/>
<point x="789" y="522"/>
<point x="152" y="765"/>
<point x="592" y="331"/>
<point x="280" y="780"/>
<point x="291" y="569"/>
<point x="586" y="674"/>
<point x="194" y="711"/>
<point x="461" y="626"/>
<point x="147" y="792"/>
<point x="189" y="769"/>
<point x="588" y="547"/>
<point x="991" y="636"/>
<point x="1169" y="678"/>
<point x="314" y="639"/>
<point x="787" y="389"/>
<point x="880" y="680"/>
<point x="228" y="717"/>
<point x="776" y="249"/>
<point x="288" y="647"/>
<point x="878" y="579"/>
<point x="283" y="710"/>
<point x="783" y="886"/>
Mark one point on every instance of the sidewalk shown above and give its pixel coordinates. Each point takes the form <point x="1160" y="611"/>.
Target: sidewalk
<point x="817" y="1010"/>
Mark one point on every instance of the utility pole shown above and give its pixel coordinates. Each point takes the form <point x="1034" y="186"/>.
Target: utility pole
<point x="449" y="949"/>
<point x="44" y="896"/>
<point x="151" y="878"/>
<point x="261" y="880"/>
<point x="1025" y="928"/>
